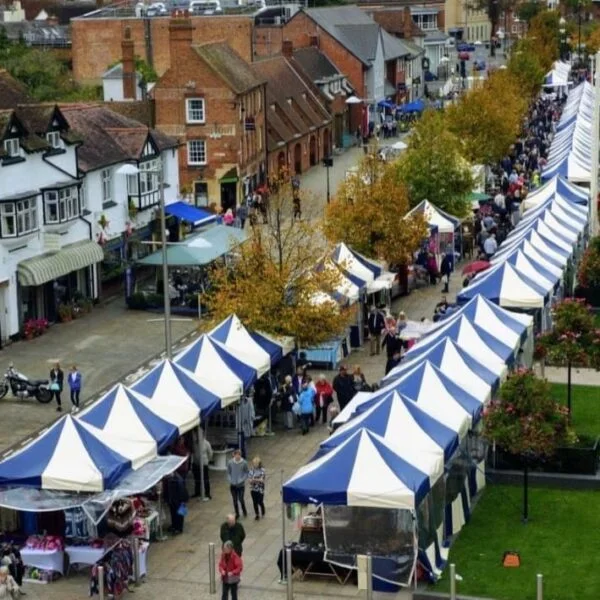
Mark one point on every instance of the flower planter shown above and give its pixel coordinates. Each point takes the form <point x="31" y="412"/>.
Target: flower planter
<point x="220" y="460"/>
<point x="580" y="460"/>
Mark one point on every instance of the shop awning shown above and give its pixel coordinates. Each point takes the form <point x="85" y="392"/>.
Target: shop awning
<point x="230" y="177"/>
<point x="191" y="214"/>
<point x="44" y="268"/>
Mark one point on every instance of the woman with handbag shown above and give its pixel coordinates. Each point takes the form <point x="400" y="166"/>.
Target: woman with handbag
<point x="57" y="378"/>
<point x="230" y="569"/>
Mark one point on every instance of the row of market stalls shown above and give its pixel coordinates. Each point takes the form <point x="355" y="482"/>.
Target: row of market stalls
<point x="119" y="446"/>
<point x="397" y="477"/>
<point x="558" y="77"/>
<point x="570" y="153"/>
<point x="535" y="264"/>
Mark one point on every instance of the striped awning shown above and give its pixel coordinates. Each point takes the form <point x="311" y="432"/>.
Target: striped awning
<point x="44" y="268"/>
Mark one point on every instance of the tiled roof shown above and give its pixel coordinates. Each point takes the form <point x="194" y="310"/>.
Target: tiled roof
<point x="138" y="110"/>
<point x="229" y="65"/>
<point x="393" y="22"/>
<point x="108" y="137"/>
<point x="315" y="64"/>
<point x="293" y="107"/>
<point x="12" y="92"/>
<point x="38" y="117"/>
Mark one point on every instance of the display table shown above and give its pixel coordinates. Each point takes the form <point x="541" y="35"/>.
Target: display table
<point x="49" y="560"/>
<point x="86" y="555"/>
<point x="149" y="525"/>
<point x="311" y="562"/>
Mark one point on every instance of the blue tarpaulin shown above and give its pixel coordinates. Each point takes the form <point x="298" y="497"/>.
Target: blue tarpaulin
<point x="192" y="214"/>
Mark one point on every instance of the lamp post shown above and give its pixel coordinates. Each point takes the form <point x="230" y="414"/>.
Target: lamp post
<point x="579" y="3"/>
<point x="562" y="32"/>
<point x="328" y="163"/>
<point x="130" y="169"/>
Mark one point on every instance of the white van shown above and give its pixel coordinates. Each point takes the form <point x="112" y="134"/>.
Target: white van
<point x="205" y="7"/>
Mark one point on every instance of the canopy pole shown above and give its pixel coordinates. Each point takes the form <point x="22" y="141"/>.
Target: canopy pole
<point x="201" y="459"/>
<point x="595" y="150"/>
<point x="283" y="534"/>
<point x="101" y="595"/>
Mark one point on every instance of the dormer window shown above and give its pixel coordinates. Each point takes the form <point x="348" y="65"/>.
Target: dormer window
<point x="53" y="138"/>
<point x="12" y="147"/>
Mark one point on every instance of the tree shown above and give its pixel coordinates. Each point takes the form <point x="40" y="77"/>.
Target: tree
<point x="488" y="118"/>
<point x="433" y="168"/>
<point x="588" y="274"/>
<point x="574" y="339"/>
<point x="525" y="421"/>
<point x="273" y="282"/>
<point x="525" y="67"/>
<point x="527" y="10"/>
<point x="543" y="38"/>
<point x="368" y="214"/>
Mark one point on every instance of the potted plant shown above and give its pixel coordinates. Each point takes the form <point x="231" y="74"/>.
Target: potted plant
<point x="132" y="209"/>
<point x="65" y="313"/>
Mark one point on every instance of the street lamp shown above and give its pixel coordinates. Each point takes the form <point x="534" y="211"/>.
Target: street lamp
<point x="328" y="163"/>
<point x="129" y="169"/>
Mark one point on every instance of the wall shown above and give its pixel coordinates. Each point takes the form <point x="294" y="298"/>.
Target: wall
<point x="112" y="90"/>
<point x="96" y="42"/>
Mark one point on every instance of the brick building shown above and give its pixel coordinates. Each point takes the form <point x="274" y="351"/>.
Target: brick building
<point x="298" y="123"/>
<point x="96" y="39"/>
<point x="212" y="100"/>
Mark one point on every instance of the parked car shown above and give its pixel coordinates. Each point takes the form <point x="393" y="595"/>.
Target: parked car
<point x="479" y="65"/>
<point x="429" y="76"/>
<point x="465" y="47"/>
<point x="205" y="7"/>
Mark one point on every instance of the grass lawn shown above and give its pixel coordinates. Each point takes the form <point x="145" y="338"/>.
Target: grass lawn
<point x="585" y="406"/>
<point x="560" y="541"/>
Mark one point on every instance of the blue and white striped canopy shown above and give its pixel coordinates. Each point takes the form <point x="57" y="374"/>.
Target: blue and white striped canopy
<point x="557" y="187"/>
<point x="237" y="339"/>
<point x="66" y="457"/>
<point x="454" y="362"/>
<point x="123" y="413"/>
<point x="207" y="358"/>
<point x="362" y="471"/>
<point x="176" y="395"/>
<point x="400" y="422"/>
<point x="276" y="346"/>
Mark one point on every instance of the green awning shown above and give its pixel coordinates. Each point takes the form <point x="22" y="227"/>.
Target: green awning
<point x="47" y="267"/>
<point x="478" y="197"/>
<point x="229" y="180"/>
<point x="201" y="249"/>
<point x="230" y="177"/>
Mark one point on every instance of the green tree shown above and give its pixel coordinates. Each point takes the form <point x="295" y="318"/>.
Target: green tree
<point x="525" y="421"/>
<point x="433" y="168"/>
<point x="527" y="10"/>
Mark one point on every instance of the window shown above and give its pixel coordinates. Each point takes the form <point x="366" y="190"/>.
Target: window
<point x="195" y="110"/>
<point x="196" y="150"/>
<point x="426" y="22"/>
<point x="53" y="138"/>
<point x="149" y="176"/>
<point x="61" y="205"/>
<point x="106" y="186"/>
<point x="12" y="147"/>
<point x="83" y="199"/>
<point x="18" y="218"/>
<point x="132" y="185"/>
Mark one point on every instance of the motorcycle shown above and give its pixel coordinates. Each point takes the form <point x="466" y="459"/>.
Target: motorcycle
<point x="23" y="387"/>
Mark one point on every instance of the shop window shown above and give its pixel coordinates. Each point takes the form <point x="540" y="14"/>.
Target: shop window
<point x="194" y="110"/>
<point x="196" y="150"/>
<point x="18" y="218"/>
<point x="61" y="205"/>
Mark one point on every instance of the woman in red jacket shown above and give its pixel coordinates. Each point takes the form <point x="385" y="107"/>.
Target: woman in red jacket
<point x="323" y="398"/>
<point x="230" y="569"/>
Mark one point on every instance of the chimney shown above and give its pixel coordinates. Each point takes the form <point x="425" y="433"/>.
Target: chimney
<point x="180" y="37"/>
<point x="314" y="41"/>
<point x="407" y="24"/>
<point x="128" y="65"/>
<point x="288" y="48"/>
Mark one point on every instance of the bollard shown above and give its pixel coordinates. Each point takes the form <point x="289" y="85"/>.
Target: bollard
<point x="136" y="561"/>
<point x="369" y="591"/>
<point x="211" y="568"/>
<point x="453" y="582"/>
<point x="540" y="587"/>
<point x="289" y="573"/>
<point x="101" y="582"/>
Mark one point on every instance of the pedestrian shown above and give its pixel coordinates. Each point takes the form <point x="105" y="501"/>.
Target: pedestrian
<point x="288" y="399"/>
<point x="230" y="569"/>
<point x="446" y="270"/>
<point x="297" y="205"/>
<point x="343" y="386"/>
<point x="74" y="380"/>
<point x="206" y="452"/>
<point x="242" y="213"/>
<point x="490" y="246"/>
<point x="256" y="480"/>
<point x="375" y="324"/>
<point x="57" y="378"/>
<point x="359" y="381"/>
<point x="177" y="498"/>
<point x="393" y="362"/>
<point x="228" y="217"/>
<point x="237" y="474"/>
<point x="323" y="399"/>
<point x="8" y="586"/>
<point x="233" y="531"/>
<point x="306" y="400"/>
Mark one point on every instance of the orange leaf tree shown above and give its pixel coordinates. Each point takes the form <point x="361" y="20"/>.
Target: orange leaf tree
<point x="433" y="167"/>
<point x="367" y="214"/>
<point x="271" y="284"/>
<point x="488" y="118"/>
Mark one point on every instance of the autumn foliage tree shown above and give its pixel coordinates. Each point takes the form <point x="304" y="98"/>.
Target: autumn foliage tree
<point x="488" y="119"/>
<point x="368" y="214"/>
<point x="433" y="167"/>
<point x="272" y="282"/>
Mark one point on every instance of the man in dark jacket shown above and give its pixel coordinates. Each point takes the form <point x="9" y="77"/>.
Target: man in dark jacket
<point x="343" y="385"/>
<point x="177" y="496"/>
<point x="446" y="270"/>
<point x="376" y="324"/>
<point x="233" y="531"/>
<point x="393" y="362"/>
